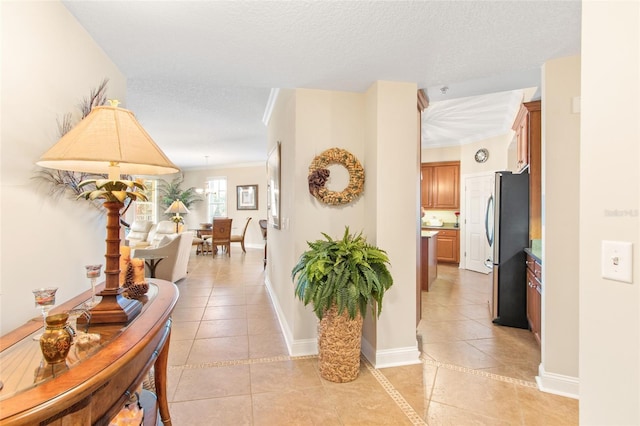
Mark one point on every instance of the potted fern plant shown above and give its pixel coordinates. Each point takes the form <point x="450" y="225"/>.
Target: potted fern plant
<point x="341" y="278"/>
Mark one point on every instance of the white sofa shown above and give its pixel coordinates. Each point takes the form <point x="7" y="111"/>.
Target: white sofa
<point x="178" y="248"/>
<point x="138" y="232"/>
<point x="155" y="233"/>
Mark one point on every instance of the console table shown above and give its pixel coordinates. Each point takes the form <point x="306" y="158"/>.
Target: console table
<point x="98" y="383"/>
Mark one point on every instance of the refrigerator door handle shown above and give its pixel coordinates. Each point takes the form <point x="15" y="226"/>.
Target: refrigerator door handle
<point x="488" y="222"/>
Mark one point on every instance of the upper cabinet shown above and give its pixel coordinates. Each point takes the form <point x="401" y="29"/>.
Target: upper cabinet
<point x="426" y="176"/>
<point x="521" y="127"/>
<point x="529" y="140"/>
<point x="527" y="129"/>
<point x="440" y="189"/>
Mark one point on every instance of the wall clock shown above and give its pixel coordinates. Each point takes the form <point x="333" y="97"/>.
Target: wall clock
<point x="482" y="155"/>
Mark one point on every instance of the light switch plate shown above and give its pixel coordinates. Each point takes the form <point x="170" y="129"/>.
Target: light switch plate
<point x="617" y="261"/>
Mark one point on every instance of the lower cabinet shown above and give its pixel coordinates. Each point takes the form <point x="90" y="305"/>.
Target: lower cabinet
<point x="448" y="245"/>
<point x="534" y="297"/>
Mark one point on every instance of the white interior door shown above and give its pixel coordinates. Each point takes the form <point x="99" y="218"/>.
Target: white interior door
<point x="477" y="191"/>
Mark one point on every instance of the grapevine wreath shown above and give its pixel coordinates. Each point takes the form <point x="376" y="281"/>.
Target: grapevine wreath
<point x="318" y="175"/>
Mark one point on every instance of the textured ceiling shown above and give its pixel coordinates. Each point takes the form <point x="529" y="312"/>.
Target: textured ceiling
<point x="200" y="72"/>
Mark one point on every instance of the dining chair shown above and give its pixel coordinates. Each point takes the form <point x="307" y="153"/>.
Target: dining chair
<point x="221" y="235"/>
<point x="240" y="238"/>
<point x="263" y="229"/>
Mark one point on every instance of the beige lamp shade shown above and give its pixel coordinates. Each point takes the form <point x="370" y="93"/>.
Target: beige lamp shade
<point x="177" y="207"/>
<point x="108" y="136"/>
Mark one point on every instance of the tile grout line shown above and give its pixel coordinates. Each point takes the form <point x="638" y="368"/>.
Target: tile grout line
<point x="374" y="371"/>
<point x="402" y="403"/>
<point x="248" y="361"/>
<point x="404" y="406"/>
<point x="393" y="393"/>
<point x="481" y="373"/>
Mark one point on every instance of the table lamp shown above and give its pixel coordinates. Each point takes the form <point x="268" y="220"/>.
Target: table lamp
<point x="177" y="207"/>
<point x="110" y="140"/>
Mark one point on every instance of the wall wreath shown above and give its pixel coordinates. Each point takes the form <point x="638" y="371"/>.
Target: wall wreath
<point x="318" y="175"/>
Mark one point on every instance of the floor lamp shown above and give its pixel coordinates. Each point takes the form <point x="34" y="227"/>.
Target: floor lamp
<point x="109" y="140"/>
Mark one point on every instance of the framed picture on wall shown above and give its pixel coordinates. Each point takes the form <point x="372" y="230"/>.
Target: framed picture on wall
<point x="273" y="187"/>
<point x="247" y="197"/>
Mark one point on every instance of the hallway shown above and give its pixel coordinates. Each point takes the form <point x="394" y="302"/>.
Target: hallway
<point x="229" y="363"/>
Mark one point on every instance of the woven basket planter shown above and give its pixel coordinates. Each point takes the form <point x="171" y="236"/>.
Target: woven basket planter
<point x="339" y="346"/>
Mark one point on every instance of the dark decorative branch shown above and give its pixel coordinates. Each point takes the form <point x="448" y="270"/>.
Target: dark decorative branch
<point x="317" y="179"/>
<point x="97" y="97"/>
<point x="61" y="182"/>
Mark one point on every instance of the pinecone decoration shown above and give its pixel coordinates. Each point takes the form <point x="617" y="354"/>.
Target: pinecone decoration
<point x="138" y="290"/>
<point x="128" y="278"/>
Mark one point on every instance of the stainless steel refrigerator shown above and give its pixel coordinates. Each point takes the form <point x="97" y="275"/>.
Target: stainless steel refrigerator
<point x="507" y="229"/>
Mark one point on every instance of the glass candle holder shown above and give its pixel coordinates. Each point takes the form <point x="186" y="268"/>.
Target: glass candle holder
<point x="45" y="298"/>
<point x="93" y="272"/>
<point x="74" y="314"/>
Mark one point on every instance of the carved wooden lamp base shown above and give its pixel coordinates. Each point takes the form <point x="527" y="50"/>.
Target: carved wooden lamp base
<point x="114" y="307"/>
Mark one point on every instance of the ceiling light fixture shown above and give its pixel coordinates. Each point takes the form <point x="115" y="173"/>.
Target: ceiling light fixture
<point x="205" y="190"/>
<point x="444" y="90"/>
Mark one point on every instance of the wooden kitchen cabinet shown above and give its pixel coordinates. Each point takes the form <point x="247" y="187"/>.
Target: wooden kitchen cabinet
<point x="426" y="174"/>
<point x="534" y="297"/>
<point x="440" y="187"/>
<point x="521" y="127"/>
<point x="448" y="249"/>
<point x="535" y="170"/>
<point x="528" y="133"/>
<point x="428" y="261"/>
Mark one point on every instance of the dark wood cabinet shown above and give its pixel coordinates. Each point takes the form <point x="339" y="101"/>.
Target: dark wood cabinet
<point x="448" y="250"/>
<point x="521" y="127"/>
<point x="428" y="261"/>
<point x="534" y="297"/>
<point x="426" y="184"/>
<point x="528" y="133"/>
<point x="446" y="186"/>
<point x="440" y="187"/>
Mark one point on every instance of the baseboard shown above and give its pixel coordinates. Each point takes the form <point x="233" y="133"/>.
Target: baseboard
<point x="390" y="357"/>
<point x="294" y="347"/>
<point x="558" y="384"/>
<point x="303" y="347"/>
<point x="284" y="326"/>
<point x="379" y="359"/>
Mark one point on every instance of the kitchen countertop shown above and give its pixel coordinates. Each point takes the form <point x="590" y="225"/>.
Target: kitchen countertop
<point x="428" y="234"/>
<point x="444" y="226"/>
<point x="537" y="254"/>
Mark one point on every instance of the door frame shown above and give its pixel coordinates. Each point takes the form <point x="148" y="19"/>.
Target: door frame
<point x="463" y="211"/>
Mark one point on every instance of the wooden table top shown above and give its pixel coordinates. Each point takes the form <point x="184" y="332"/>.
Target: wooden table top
<point x="20" y="357"/>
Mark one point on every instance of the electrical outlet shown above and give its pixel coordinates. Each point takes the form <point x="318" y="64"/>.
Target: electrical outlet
<point x="617" y="261"/>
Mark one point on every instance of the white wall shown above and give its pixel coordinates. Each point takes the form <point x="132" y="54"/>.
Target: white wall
<point x="245" y="175"/>
<point x="448" y="153"/>
<point x="609" y="183"/>
<point x="49" y="64"/>
<point x="296" y="323"/>
<point x="498" y="158"/>
<point x="497" y="147"/>
<point x="390" y="156"/>
<point x="308" y="122"/>
<point x="560" y="226"/>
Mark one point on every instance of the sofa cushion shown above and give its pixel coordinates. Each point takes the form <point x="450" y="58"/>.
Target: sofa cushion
<point x="138" y="232"/>
<point x="163" y="228"/>
<point x="166" y="239"/>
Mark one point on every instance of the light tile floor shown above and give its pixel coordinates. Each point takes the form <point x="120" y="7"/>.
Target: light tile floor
<point x="229" y="364"/>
